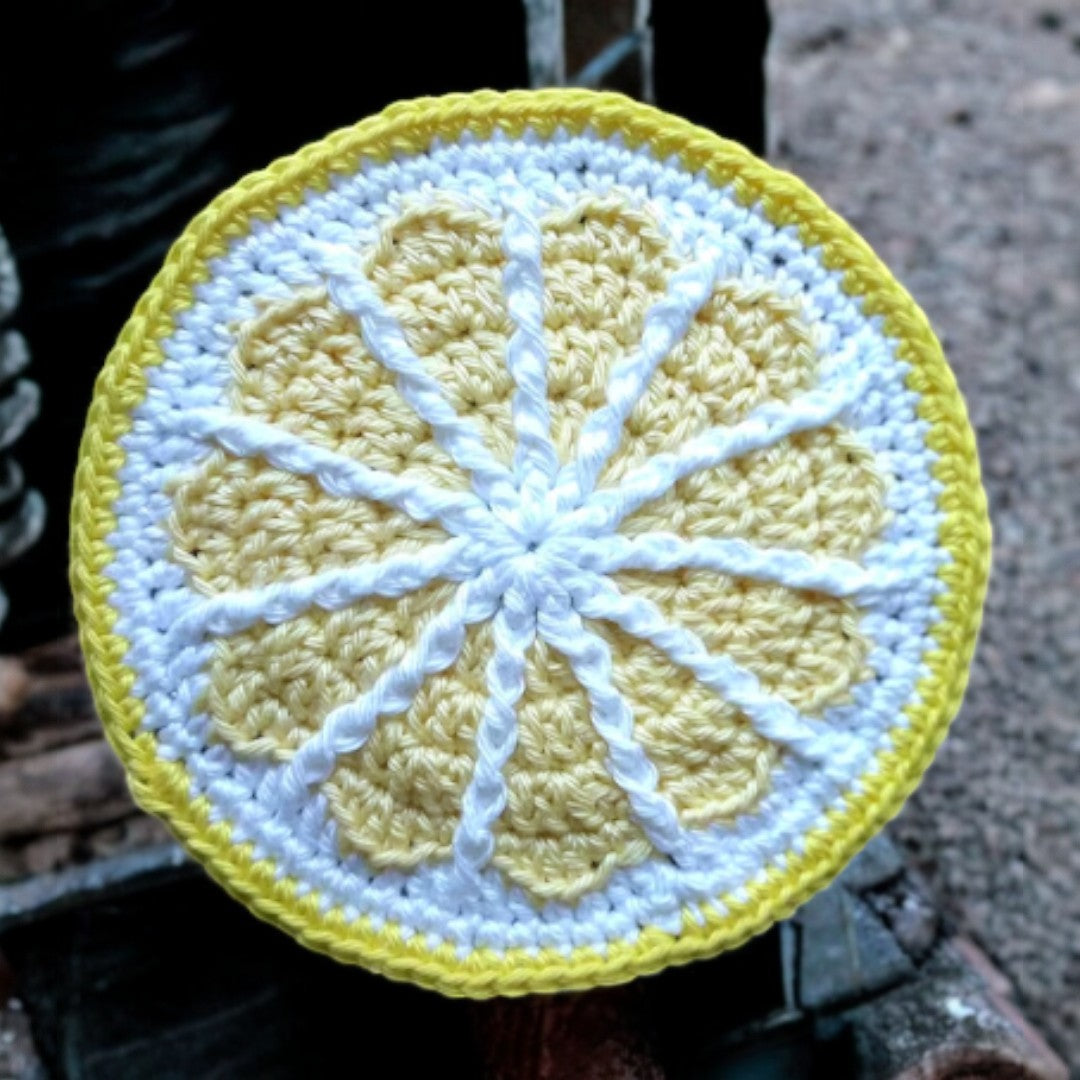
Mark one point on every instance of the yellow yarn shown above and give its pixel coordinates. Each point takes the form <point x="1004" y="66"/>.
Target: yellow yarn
<point x="271" y="686"/>
<point x="238" y="524"/>
<point x="163" y="786"/>
<point x="303" y="366"/>
<point x="397" y="800"/>
<point x="567" y="826"/>
<point x="818" y="491"/>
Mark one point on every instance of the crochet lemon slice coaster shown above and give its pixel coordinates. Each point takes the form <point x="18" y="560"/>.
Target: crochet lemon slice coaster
<point x="523" y="541"/>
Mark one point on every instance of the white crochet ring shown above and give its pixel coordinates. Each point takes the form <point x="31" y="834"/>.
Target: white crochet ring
<point x="513" y="554"/>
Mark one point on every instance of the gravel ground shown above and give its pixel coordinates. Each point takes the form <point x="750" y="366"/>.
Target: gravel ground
<point x="948" y="133"/>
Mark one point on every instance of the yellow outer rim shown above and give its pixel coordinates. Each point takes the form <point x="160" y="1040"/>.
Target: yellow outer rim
<point x="162" y="787"/>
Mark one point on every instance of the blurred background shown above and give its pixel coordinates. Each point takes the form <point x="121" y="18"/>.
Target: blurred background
<point x="946" y="131"/>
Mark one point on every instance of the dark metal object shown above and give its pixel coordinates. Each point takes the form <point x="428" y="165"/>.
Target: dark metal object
<point x="161" y="105"/>
<point x="47" y="896"/>
<point x="22" y="512"/>
<point x="138" y="966"/>
<point x="608" y="59"/>
<point x="158" y="974"/>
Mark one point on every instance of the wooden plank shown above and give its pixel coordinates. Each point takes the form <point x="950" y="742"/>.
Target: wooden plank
<point x="45" y="701"/>
<point x="599" y="1035"/>
<point x="63" y="789"/>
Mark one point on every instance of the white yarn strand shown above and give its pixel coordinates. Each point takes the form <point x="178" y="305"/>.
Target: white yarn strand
<point x="535" y="460"/>
<point x="590" y="660"/>
<point x="329" y="590"/>
<point x="772" y="717"/>
<point x="349" y="726"/>
<point x="337" y="474"/>
<point x="662" y="552"/>
<point x="666" y="324"/>
<point x="764" y="427"/>
<point x="514" y="630"/>
<point x="385" y="338"/>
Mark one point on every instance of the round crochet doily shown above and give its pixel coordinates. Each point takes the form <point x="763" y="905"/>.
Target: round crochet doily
<point x="523" y="541"/>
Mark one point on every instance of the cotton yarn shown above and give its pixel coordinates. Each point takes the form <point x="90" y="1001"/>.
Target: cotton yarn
<point x="523" y="541"/>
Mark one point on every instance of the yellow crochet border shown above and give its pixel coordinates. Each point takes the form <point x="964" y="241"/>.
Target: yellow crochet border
<point x="162" y="787"/>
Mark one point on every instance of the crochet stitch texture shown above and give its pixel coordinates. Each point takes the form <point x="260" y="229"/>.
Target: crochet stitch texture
<point x="523" y="541"/>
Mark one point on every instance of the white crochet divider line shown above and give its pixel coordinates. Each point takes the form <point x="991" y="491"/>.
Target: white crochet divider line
<point x="336" y="473"/>
<point x="385" y="339"/>
<point x="485" y="797"/>
<point x="666" y="323"/>
<point x="535" y="459"/>
<point x="329" y="590"/>
<point x="589" y="656"/>
<point x="833" y="575"/>
<point x="195" y="372"/>
<point x="769" y="715"/>
<point x="766" y="425"/>
<point x="346" y="728"/>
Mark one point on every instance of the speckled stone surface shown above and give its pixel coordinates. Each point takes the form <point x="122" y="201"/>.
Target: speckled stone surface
<point x="948" y="132"/>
